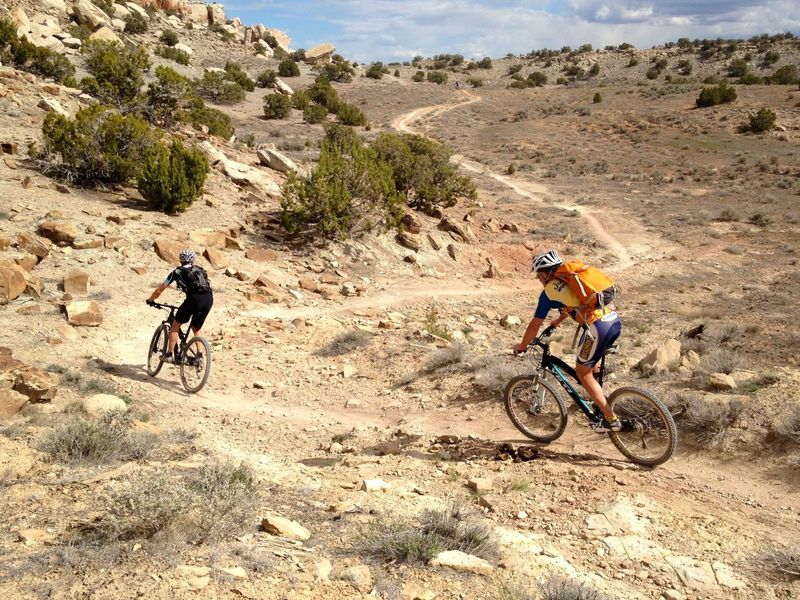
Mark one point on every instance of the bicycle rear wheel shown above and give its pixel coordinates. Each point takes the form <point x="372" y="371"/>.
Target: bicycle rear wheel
<point x="648" y="435"/>
<point x="157" y="350"/>
<point x="195" y="364"/>
<point x="535" y="408"/>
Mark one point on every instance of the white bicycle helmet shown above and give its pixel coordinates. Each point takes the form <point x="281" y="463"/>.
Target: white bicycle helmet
<point x="546" y="261"/>
<point x="186" y="257"/>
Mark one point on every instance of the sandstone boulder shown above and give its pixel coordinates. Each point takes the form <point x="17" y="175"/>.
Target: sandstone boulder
<point x="33" y="244"/>
<point x="184" y="48"/>
<point x="76" y="282"/>
<point x="216" y="14"/>
<point x="89" y="14"/>
<point x="13" y="282"/>
<point x="213" y="239"/>
<point x="461" y="230"/>
<point x="36" y="385"/>
<point x="105" y="34"/>
<point x="97" y="404"/>
<point x="261" y="255"/>
<point x="462" y="562"/>
<point x="411" y="224"/>
<point x="273" y="159"/>
<point x="84" y="313"/>
<point x="409" y="240"/>
<point x="283" y="87"/>
<point x="217" y="259"/>
<point x="359" y="576"/>
<point x="168" y="250"/>
<point x="197" y="14"/>
<point x="11" y="402"/>
<point x="662" y="359"/>
<point x="59" y="231"/>
<point x="320" y="55"/>
<point x="54" y="6"/>
<point x="721" y="381"/>
<point x="285" y="528"/>
<point x="280" y="37"/>
<point x="133" y="7"/>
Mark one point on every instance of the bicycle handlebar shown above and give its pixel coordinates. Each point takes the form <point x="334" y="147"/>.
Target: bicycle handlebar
<point x="159" y="306"/>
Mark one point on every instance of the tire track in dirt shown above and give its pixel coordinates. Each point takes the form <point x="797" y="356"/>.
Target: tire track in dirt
<point x="533" y="191"/>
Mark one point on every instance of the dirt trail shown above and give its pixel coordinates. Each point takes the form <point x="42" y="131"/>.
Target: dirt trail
<point x="533" y="191"/>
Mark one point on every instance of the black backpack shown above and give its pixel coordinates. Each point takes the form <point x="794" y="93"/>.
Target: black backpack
<point x="195" y="280"/>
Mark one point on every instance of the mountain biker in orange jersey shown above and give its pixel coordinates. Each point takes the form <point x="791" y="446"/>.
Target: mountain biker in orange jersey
<point x="193" y="281"/>
<point x="601" y="331"/>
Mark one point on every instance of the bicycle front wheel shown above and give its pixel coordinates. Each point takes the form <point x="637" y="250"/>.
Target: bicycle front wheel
<point x="535" y="408"/>
<point x="648" y="436"/>
<point x="195" y="364"/>
<point x="157" y="350"/>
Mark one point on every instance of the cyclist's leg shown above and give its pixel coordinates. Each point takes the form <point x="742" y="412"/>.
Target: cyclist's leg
<point x="181" y="317"/>
<point x="202" y="306"/>
<point x="595" y="341"/>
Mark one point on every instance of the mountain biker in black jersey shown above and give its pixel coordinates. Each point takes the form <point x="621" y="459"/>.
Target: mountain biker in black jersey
<point x="192" y="281"/>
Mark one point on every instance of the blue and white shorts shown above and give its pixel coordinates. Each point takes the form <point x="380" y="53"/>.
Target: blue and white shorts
<point x="597" y="338"/>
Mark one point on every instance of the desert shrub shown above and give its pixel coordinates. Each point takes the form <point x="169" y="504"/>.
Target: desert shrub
<point x="782" y="560"/>
<point x="751" y="79"/>
<point x="266" y="79"/>
<point x="172" y="178"/>
<point x="445" y="357"/>
<point x="106" y="440"/>
<point x="340" y="72"/>
<point x="597" y="98"/>
<point x="166" y="96"/>
<point x="484" y="63"/>
<point x="652" y="73"/>
<point x="786" y="75"/>
<point x="719" y="94"/>
<point x="375" y="71"/>
<point x="350" y="191"/>
<point x="557" y="587"/>
<point x="315" y="113"/>
<point x="277" y="106"/>
<point x="98" y="145"/>
<point x="418" y="77"/>
<point x="595" y="70"/>
<point x="422" y="171"/>
<point x="759" y="219"/>
<point x="492" y="373"/>
<point x="685" y="67"/>
<point x="225" y="496"/>
<point x="770" y="58"/>
<point x="107" y="6"/>
<point x="170" y="53"/>
<point x="288" y="68"/>
<point x="399" y="540"/>
<point x="397" y="72"/>
<point x="350" y="114"/>
<point x="214" y="86"/>
<point x="298" y="55"/>
<point x="475" y="82"/>
<point x="512" y="69"/>
<point x="135" y="23"/>
<point x="438" y="77"/>
<point x="117" y="72"/>
<point x="300" y="100"/>
<point x="537" y="79"/>
<point x="199" y="115"/>
<point x="432" y="324"/>
<point x="322" y="93"/>
<point x="169" y="37"/>
<point x="26" y="56"/>
<point x="708" y="422"/>
<point x="346" y="342"/>
<point x="633" y="62"/>
<point x="78" y="31"/>
<point x="737" y="67"/>
<point x="235" y="73"/>
<point x="763" y="120"/>
<point x="720" y="360"/>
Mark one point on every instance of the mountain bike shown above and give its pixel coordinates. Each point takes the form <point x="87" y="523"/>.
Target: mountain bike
<point x="193" y="356"/>
<point x="534" y="404"/>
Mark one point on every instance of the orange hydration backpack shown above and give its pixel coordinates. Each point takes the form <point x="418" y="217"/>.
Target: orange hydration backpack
<point x="588" y="284"/>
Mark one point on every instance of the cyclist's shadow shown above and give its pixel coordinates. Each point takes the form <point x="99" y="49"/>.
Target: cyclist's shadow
<point x="136" y="373"/>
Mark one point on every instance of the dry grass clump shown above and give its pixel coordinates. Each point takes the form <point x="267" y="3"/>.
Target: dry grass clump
<point x="564" y="588"/>
<point x="213" y="503"/>
<point x="106" y="440"/>
<point x="720" y="360"/>
<point x="398" y="540"/>
<point x="346" y="342"/>
<point x="492" y="373"/>
<point x="783" y="560"/>
<point x="707" y="422"/>
<point x="788" y="428"/>
<point x="445" y="357"/>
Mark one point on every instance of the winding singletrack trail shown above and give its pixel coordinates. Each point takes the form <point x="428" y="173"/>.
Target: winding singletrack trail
<point x="532" y="191"/>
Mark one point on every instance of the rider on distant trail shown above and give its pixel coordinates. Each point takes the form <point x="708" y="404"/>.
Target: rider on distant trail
<point x="193" y="281"/>
<point x="601" y="328"/>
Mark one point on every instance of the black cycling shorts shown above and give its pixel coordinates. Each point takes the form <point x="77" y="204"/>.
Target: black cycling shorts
<point x="195" y="307"/>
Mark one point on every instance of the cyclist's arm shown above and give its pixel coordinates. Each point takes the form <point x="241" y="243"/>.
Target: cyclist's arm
<point x="530" y="334"/>
<point x="560" y="319"/>
<point x="160" y="289"/>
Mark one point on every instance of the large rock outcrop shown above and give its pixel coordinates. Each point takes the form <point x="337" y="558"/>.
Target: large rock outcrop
<point x="320" y="55"/>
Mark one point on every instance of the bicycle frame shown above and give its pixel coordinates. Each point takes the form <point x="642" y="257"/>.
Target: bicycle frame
<point x="183" y="336"/>
<point x="561" y="371"/>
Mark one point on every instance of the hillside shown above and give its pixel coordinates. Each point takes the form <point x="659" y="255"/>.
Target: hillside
<point x="353" y="426"/>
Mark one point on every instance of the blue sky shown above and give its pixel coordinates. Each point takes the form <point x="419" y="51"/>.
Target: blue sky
<point x="396" y="30"/>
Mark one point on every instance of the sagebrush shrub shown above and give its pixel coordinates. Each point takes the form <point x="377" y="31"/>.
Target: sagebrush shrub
<point x="719" y="94"/>
<point x="234" y="72"/>
<point x="166" y="96"/>
<point x="786" y="75"/>
<point x="763" y="120"/>
<point x="266" y="78"/>
<point x="216" y="87"/>
<point x="350" y="114"/>
<point x="437" y="77"/>
<point x="340" y="72"/>
<point x="200" y="115"/>
<point x="300" y="100"/>
<point x="537" y="79"/>
<point x="28" y="57"/>
<point x="346" y="342"/>
<point x="169" y="37"/>
<point x="170" y="53"/>
<point x="277" y="106"/>
<point x="375" y="71"/>
<point x="171" y="179"/>
<point x="322" y="93"/>
<point x="418" y="77"/>
<point x="315" y="113"/>
<point x="135" y="23"/>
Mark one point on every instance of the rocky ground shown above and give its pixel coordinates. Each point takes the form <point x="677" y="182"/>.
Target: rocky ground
<point x="361" y="381"/>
